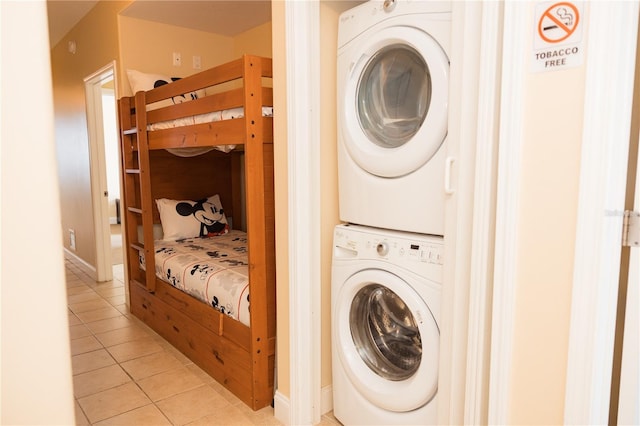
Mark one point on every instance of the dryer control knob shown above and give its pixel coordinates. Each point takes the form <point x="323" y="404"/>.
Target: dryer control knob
<point x="382" y="248"/>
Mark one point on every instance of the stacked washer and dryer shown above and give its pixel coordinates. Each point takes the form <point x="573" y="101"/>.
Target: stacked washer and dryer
<point x="393" y="84"/>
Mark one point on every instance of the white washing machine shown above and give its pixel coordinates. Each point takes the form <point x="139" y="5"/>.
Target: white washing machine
<point x="385" y="306"/>
<point x="393" y="85"/>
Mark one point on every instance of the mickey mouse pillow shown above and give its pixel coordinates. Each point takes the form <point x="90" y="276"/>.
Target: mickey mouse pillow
<point x="190" y="219"/>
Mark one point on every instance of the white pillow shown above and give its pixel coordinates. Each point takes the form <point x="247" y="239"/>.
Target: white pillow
<point x="189" y="219"/>
<point x="140" y="81"/>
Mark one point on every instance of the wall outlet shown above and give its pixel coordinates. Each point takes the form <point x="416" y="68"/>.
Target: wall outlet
<point x="72" y="239"/>
<point x="177" y="59"/>
<point x="197" y="62"/>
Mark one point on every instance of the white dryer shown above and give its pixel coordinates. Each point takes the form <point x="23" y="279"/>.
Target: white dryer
<point x="392" y="91"/>
<point x="385" y="306"/>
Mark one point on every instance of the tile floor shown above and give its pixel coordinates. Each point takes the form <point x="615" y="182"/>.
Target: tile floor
<point x="126" y="374"/>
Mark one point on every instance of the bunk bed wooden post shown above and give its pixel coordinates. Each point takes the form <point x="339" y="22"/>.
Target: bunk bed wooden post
<point x="257" y="228"/>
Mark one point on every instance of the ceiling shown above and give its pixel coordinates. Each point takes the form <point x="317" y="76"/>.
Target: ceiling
<point x="223" y="17"/>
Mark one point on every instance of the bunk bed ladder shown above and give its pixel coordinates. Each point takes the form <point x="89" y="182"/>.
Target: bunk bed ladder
<point x="138" y="210"/>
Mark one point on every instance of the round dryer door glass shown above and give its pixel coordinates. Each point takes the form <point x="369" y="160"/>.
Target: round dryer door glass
<point x="394" y="94"/>
<point x="385" y="333"/>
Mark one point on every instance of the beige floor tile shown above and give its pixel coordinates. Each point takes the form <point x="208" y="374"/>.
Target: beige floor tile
<point x="89" y="305"/>
<point x="150" y="365"/>
<point x="173" y="351"/>
<point x="124" y="308"/>
<point x="109" y="324"/>
<point x="113" y="402"/>
<point x="329" y="419"/>
<point x="134" y="349"/>
<point x="149" y="415"/>
<point x="118" y="272"/>
<point x="110" y="292"/>
<point x="99" y="380"/>
<point x="73" y="319"/>
<point x="206" y="378"/>
<point x="79" y="330"/>
<point x="83" y="297"/>
<point x="99" y="314"/>
<point x="81" y="288"/>
<point x="72" y="280"/>
<point x="262" y="417"/>
<point x="226" y="394"/>
<point x="84" y="344"/>
<point x="192" y="405"/>
<point x="91" y="361"/>
<point x="81" y="419"/>
<point x="116" y="301"/>
<point x="121" y="335"/>
<point x="169" y="383"/>
<point x="228" y="416"/>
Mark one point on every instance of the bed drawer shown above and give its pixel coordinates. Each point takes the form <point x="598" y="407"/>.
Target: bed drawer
<point x="204" y="315"/>
<point x="225" y="361"/>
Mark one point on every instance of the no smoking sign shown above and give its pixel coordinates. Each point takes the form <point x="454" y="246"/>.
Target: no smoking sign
<point x="558" y="36"/>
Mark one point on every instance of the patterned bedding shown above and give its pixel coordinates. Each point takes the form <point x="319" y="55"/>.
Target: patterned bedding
<point x="213" y="270"/>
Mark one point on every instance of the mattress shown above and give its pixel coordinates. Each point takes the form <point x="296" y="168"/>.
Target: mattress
<point x="228" y="114"/>
<point x="213" y="270"/>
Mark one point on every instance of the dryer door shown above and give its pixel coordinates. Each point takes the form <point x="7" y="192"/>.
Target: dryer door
<point x="388" y="340"/>
<point x="395" y="100"/>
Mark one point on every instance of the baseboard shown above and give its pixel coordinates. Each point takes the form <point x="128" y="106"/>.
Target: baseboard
<point x="326" y="399"/>
<point x="81" y="263"/>
<point x="281" y="408"/>
<point x="282" y="405"/>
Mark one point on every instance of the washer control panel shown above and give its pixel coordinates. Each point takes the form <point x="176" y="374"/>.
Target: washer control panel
<point x="352" y="241"/>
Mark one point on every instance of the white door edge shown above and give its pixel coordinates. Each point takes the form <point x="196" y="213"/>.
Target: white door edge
<point x="601" y="201"/>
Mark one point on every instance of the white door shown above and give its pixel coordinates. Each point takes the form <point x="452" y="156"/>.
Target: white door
<point x="393" y="113"/>
<point x="388" y="340"/>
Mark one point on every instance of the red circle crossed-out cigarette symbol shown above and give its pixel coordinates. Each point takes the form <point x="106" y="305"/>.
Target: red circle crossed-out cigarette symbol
<point x="558" y="22"/>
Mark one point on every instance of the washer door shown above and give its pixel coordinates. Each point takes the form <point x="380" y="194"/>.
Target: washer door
<point x="387" y="340"/>
<point x="394" y="105"/>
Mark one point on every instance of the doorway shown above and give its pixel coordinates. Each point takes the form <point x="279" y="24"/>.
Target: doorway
<point x="101" y="94"/>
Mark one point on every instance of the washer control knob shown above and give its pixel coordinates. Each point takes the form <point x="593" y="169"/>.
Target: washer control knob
<point x="389" y="5"/>
<point x="382" y="248"/>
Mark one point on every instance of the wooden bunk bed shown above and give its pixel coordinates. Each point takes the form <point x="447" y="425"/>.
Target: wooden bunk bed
<point x="239" y="356"/>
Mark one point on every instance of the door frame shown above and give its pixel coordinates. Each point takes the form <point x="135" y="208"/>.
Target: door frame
<point x="302" y="22"/>
<point x="97" y="161"/>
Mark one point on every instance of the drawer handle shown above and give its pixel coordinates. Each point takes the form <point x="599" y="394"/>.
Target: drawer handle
<point x="176" y="329"/>
<point x="217" y="355"/>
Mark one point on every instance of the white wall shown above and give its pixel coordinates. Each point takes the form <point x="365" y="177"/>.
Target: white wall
<point x="36" y="359"/>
